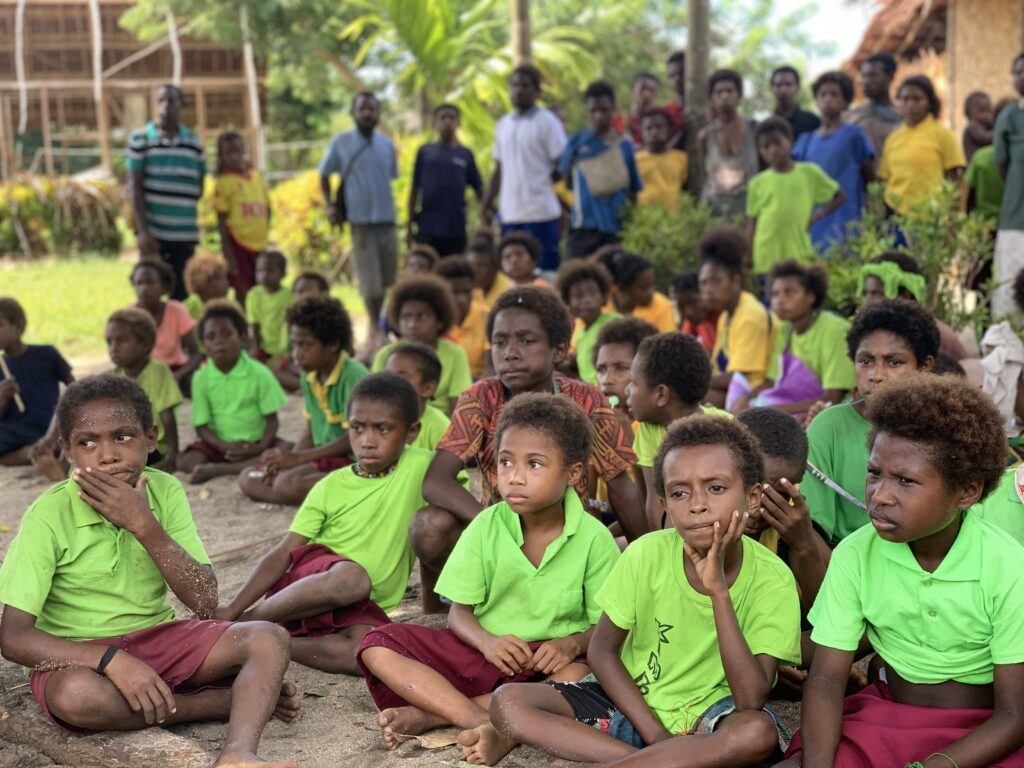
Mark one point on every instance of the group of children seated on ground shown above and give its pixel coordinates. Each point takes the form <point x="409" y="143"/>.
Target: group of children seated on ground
<point x="637" y="570"/>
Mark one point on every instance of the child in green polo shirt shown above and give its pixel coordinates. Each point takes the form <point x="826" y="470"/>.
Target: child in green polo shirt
<point x="584" y="286"/>
<point x="320" y="331"/>
<point x="521" y="581"/>
<point x="697" y="620"/>
<point x="419" y="365"/>
<point x="936" y="589"/>
<point x="346" y="558"/>
<point x="265" y="307"/>
<point x="131" y="334"/>
<point x="85" y="583"/>
<point x="422" y="308"/>
<point x="235" y="400"/>
<point x="669" y="378"/>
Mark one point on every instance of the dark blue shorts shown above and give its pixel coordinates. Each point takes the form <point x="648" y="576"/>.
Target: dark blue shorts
<point x="547" y="234"/>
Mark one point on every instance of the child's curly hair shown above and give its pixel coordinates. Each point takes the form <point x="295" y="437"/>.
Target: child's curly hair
<point x="695" y="431"/>
<point x="424" y="251"/>
<point x="525" y="239"/>
<point x="780" y="435"/>
<point x="163" y="272"/>
<point x="429" y="289"/>
<point x="227" y="310"/>
<point x="138" y="322"/>
<point x="324" y="317"/>
<point x="812" y="277"/>
<point x="388" y="388"/>
<point x="313" y="276"/>
<point x="201" y="269"/>
<point x="122" y="390"/>
<point x="678" y="361"/>
<point x="542" y="303"/>
<point x="900" y="317"/>
<point x="580" y="270"/>
<point x="625" y="330"/>
<point x="560" y="418"/>
<point x="957" y="423"/>
<point x="725" y="246"/>
<point x="13" y="312"/>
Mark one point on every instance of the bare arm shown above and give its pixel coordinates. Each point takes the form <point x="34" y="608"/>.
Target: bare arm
<point x="332" y="209"/>
<point x="227" y="245"/>
<point x="207" y="435"/>
<point x="147" y="243"/>
<point x="441" y="489"/>
<point x="808" y="552"/>
<point x="821" y="716"/>
<point x="265" y="575"/>
<point x="414" y="193"/>
<point x="170" y="438"/>
<point x="190" y="344"/>
<point x="830" y="207"/>
<point x="867" y="171"/>
<point x="627" y="506"/>
<point x="507" y="652"/>
<point x="652" y="503"/>
<point x="487" y="207"/>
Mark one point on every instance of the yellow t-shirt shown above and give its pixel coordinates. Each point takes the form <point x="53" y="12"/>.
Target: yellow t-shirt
<point x="745" y="340"/>
<point x="658" y="313"/>
<point x="499" y="286"/>
<point x="471" y="335"/>
<point x="663" y="175"/>
<point x="915" y="160"/>
<point x="243" y="198"/>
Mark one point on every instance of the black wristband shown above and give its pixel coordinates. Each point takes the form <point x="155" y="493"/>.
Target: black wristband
<point x="108" y="655"/>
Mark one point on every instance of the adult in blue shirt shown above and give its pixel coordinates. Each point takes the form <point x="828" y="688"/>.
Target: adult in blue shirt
<point x="367" y="163"/>
<point x="843" y="151"/>
<point x="437" y="197"/>
<point x="600" y="168"/>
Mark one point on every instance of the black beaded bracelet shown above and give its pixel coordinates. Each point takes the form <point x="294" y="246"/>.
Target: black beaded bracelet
<point x="108" y="654"/>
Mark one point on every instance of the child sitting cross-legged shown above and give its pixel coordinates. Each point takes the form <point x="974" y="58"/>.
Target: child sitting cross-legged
<point x="235" y="400"/>
<point x="346" y="558"/>
<point x="85" y="583"/>
<point x="422" y="309"/>
<point x="130" y="335"/>
<point x="696" y="621"/>
<point x="419" y="365"/>
<point x="669" y="379"/>
<point x="522" y="581"/>
<point x="584" y="286"/>
<point x="936" y="589"/>
<point x="320" y="331"/>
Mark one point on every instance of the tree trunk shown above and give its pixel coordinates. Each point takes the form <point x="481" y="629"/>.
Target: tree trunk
<point x="698" y="49"/>
<point x="521" y="31"/>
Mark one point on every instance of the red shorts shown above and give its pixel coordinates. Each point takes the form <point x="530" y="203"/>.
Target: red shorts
<point x="214" y="454"/>
<point x="880" y="733"/>
<point x="309" y="560"/>
<point x="245" y="276"/>
<point x="461" y="665"/>
<point x="174" y="650"/>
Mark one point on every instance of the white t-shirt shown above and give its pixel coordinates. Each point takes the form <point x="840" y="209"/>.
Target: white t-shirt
<point x="527" y="146"/>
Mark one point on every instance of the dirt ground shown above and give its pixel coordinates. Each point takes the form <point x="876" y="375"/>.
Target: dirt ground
<point x="336" y="726"/>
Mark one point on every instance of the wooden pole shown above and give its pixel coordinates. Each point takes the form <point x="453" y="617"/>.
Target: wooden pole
<point x="5" y="165"/>
<point x="698" y="51"/>
<point x="44" y="116"/>
<point x="255" y="124"/>
<point x="521" y="39"/>
<point x="98" y="97"/>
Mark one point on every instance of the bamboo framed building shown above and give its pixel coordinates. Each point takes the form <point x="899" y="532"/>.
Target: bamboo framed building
<point x="73" y="81"/>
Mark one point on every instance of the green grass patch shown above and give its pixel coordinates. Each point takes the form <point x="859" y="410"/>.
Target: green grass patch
<point x="68" y="301"/>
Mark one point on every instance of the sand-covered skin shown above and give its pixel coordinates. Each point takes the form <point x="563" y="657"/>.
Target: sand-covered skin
<point x="337" y="723"/>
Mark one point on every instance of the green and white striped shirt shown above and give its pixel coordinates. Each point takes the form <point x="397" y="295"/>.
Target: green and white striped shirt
<point x="172" y="180"/>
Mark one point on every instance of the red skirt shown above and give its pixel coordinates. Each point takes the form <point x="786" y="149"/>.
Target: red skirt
<point x="311" y="559"/>
<point x="174" y="650"/>
<point x="461" y="665"/>
<point x="880" y="733"/>
<point x="244" y="277"/>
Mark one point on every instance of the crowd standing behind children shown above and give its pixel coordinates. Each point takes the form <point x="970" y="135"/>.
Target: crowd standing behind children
<point x="629" y="573"/>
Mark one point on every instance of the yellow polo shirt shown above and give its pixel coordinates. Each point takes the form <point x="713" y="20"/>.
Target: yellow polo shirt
<point x="915" y="160"/>
<point x="499" y="286"/>
<point x="745" y="340"/>
<point x="471" y="335"/>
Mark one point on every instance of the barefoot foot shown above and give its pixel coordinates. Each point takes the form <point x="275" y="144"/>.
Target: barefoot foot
<point x="405" y="721"/>
<point x="244" y="759"/>
<point x="202" y="473"/>
<point x="484" y="745"/>
<point x="49" y="467"/>
<point x="287" y="703"/>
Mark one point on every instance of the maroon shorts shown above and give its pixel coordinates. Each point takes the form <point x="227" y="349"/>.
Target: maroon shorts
<point x="309" y="560"/>
<point x="245" y="276"/>
<point x="174" y="650"/>
<point x="461" y="665"/>
<point x="331" y="463"/>
<point x="214" y="454"/>
<point x="880" y="733"/>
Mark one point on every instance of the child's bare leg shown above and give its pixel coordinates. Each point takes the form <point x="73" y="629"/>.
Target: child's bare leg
<point x="52" y="467"/>
<point x="433" y="534"/>
<point x="190" y="459"/>
<point x="538" y="715"/>
<point x="335" y="653"/>
<point x="343" y="584"/>
<point x="17" y="458"/>
<point x="288" y="487"/>
<point x="435" y="701"/>
<point x="210" y="469"/>
<point x="743" y="738"/>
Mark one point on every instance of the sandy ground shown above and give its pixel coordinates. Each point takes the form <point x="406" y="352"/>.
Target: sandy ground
<point x="337" y="724"/>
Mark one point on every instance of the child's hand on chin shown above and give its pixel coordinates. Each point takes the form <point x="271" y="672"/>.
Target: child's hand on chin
<point x="710" y="567"/>
<point x="124" y="506"/>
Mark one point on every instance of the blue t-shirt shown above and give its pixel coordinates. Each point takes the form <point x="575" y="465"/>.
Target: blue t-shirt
<point x="441" y="174"/>
<point x="39" y="370"/>
<point x="588" y="211"/>
<point x="841" y="156"/>
<point x="369" y="171"/>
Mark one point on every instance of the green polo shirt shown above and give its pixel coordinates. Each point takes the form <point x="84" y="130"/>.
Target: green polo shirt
<point x="455" y="375"/>
<point x="235" y="405"/>
<point x="326" y="403"/>
<point x="82" y="577"/>
<point x="266" y="310"/>
<point x="366" y="519"/>
<point x="488" y="570"/>
<point x="1003" y="507"/>
<point x="163" y="392"/>
<point x="649" y="436"/>
<point x="953" y="624"/>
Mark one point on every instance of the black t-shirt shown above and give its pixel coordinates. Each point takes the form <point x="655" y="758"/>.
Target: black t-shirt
<point x="801" y="121"/>
<point x="442" y="174"/>
<point x="39" y="370"/>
